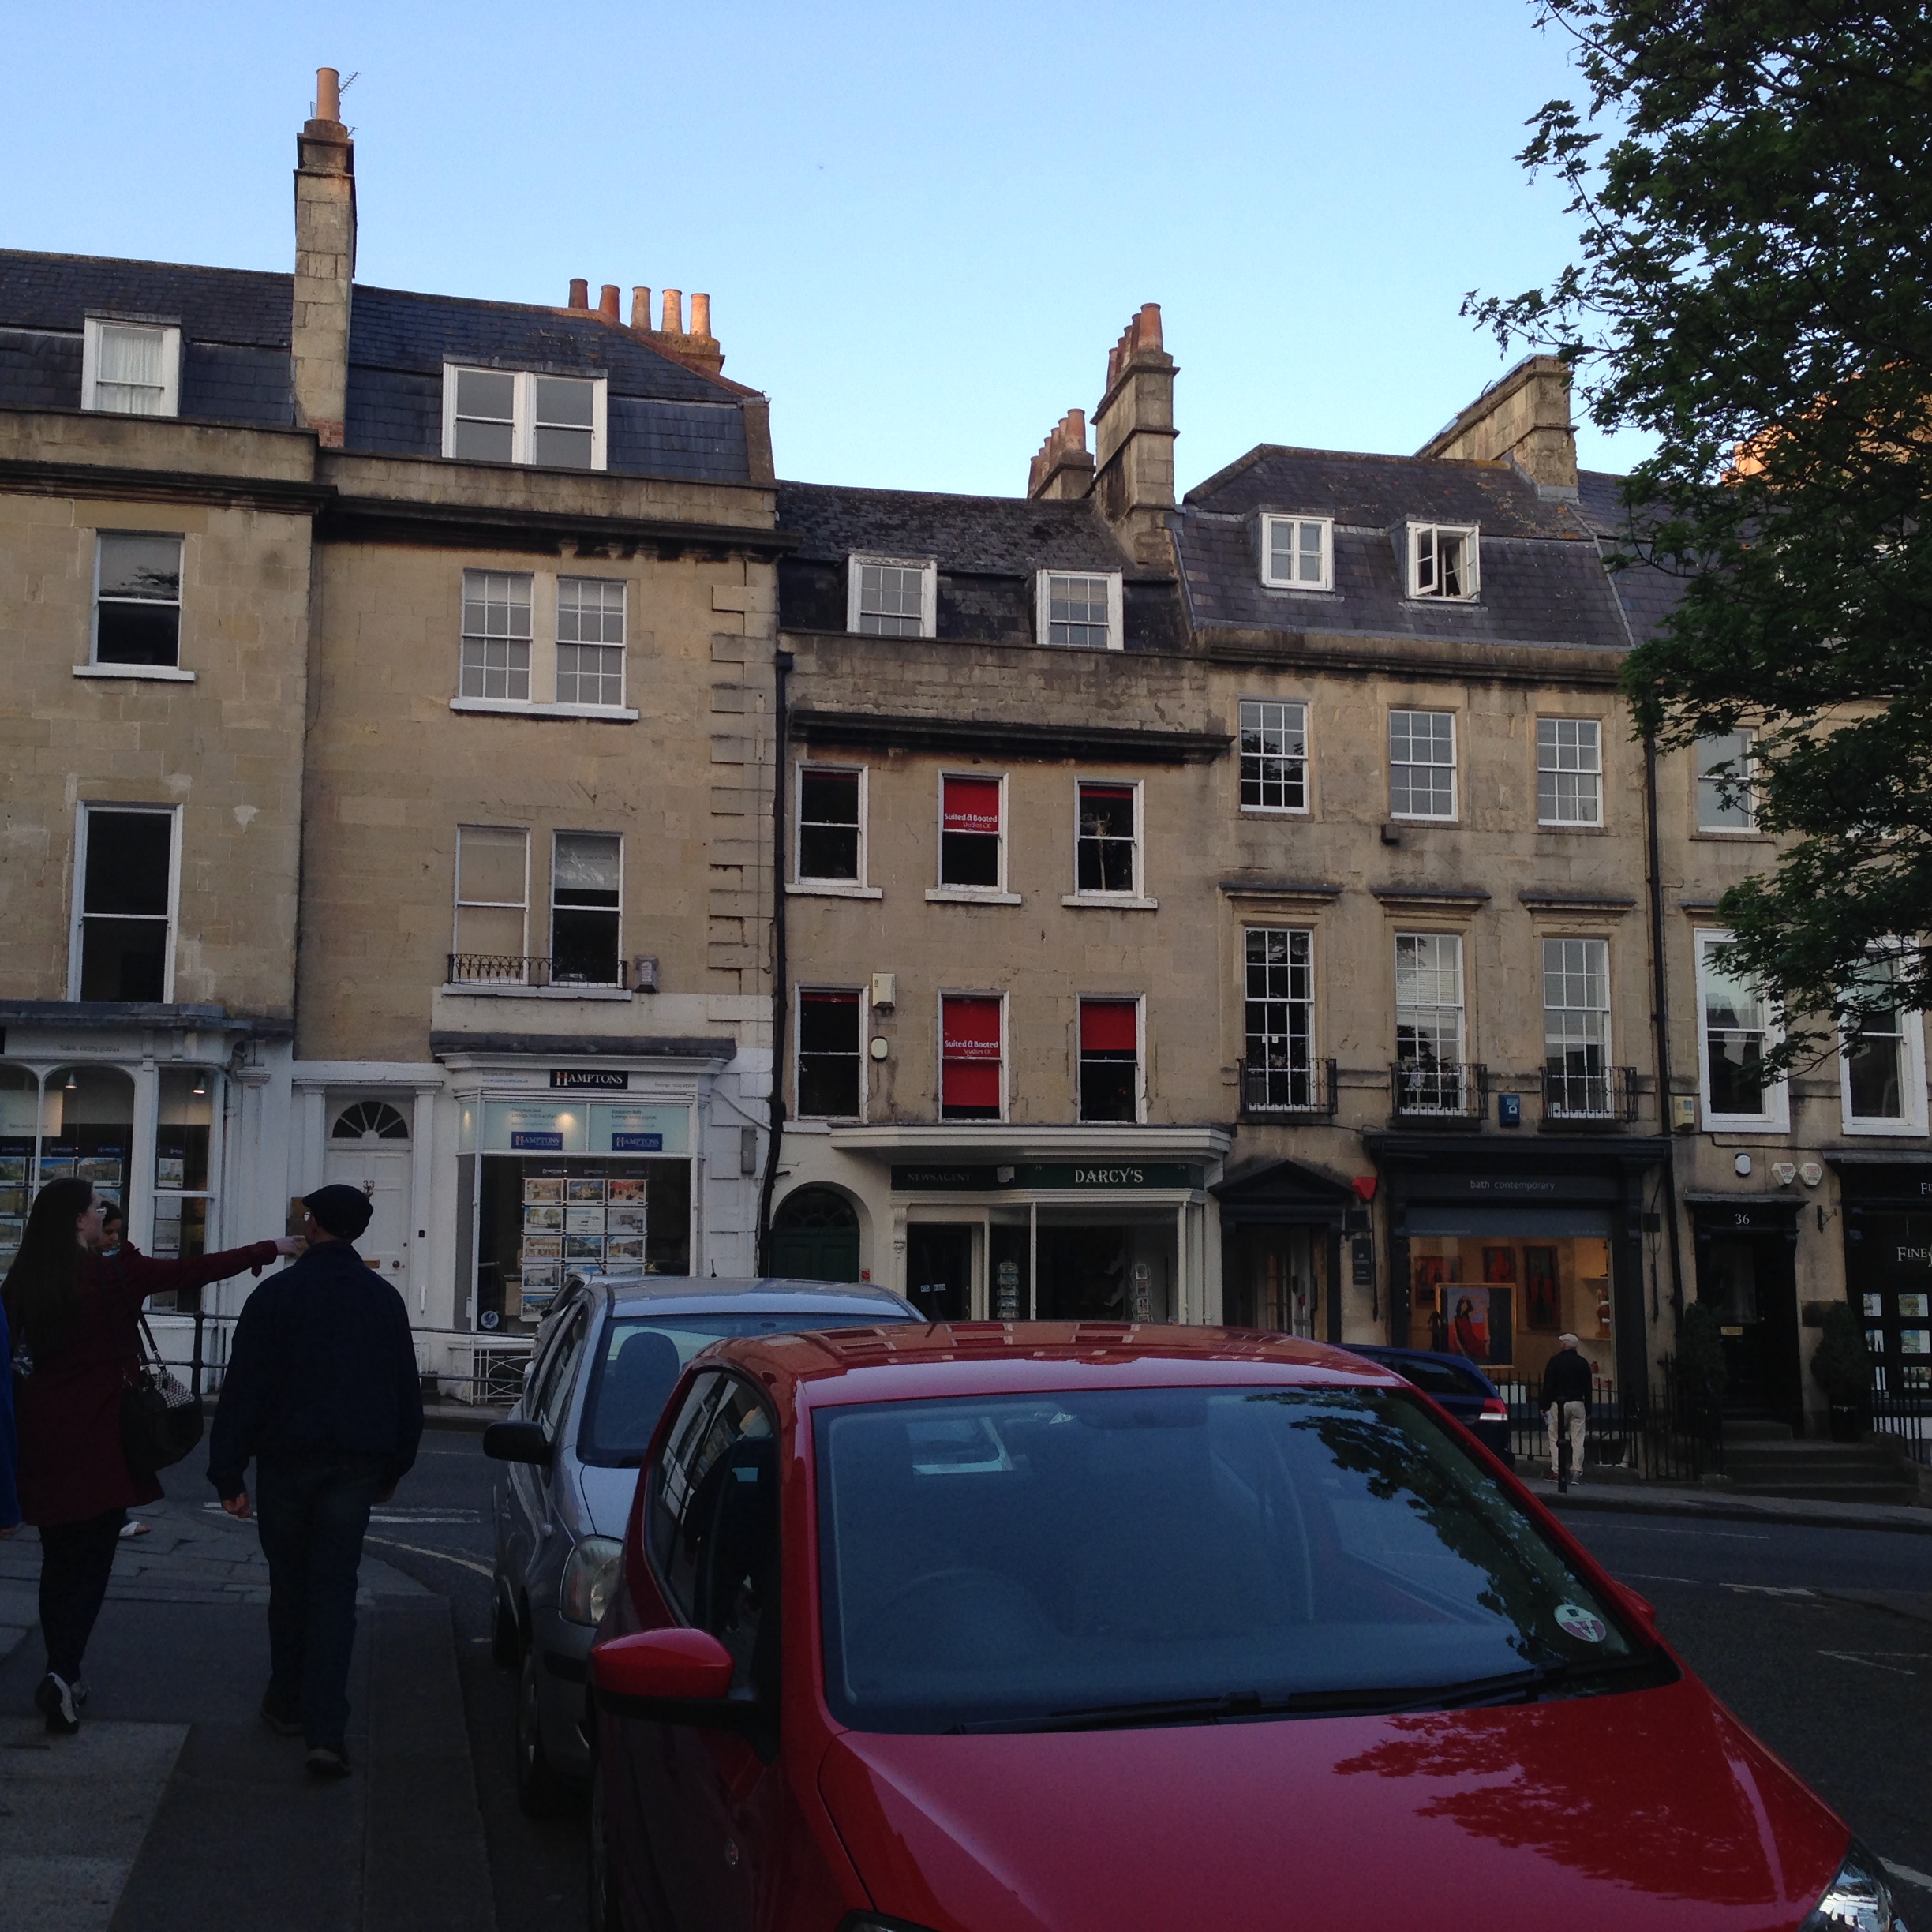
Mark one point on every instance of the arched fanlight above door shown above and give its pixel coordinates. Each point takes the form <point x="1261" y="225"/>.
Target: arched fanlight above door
<point x="369" y="1120"/>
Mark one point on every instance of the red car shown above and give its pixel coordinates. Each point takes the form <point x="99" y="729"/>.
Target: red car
<point x="1056" y="1628"/>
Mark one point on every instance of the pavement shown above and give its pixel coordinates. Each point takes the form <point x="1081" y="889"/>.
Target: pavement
<point x="1715" y="1505"/>
<point x="176" y="1808"/>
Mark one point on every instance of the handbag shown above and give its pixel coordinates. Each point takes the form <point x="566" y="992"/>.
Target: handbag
<point x="160" y="1415"/>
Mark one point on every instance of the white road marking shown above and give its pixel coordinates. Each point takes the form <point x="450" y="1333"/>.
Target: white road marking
<point x="1637" y="1576"/>
<point x="1905" y="1871"/>
<point x="1767" y="1590"/>
<point x="482" y="1570"/>
<point x="1728" y="1535"/>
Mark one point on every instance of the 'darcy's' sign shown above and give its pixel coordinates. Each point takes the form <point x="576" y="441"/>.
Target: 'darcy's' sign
<point x="1073" y="1177"/>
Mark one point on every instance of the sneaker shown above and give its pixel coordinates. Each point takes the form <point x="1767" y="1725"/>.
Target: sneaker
<point x="79" y="1688"/>
<point x="280" y="1719"/>
<point x="324" y="1763"/>
<point x="54" y="1699"/>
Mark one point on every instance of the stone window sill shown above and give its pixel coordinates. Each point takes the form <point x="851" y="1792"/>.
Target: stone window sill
<point x="158" y="674"/>
<point x="1110" y="902"/>
<point x="971" y="895"/>
<point x="515" y="707"/>
<point x="478" y="989"/>
<point x="832" y="888"/>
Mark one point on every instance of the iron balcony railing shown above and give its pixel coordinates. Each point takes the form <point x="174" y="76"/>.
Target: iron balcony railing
<point x="525" y="970"/>
<point x="1287" y="1089"/>
<point x="1591" y="1098"/>
<point x="1439" y="1091"/>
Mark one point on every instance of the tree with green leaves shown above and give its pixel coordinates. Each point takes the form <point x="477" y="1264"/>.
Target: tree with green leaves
<point x="1753" y="286"/>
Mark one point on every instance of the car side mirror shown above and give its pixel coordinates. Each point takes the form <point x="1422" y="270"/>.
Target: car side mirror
<point x="675" y="1676"/>
<point x="516" y="1442"/>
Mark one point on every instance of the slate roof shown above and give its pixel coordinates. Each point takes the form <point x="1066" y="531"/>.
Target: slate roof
<point x="1542" y="577"/>
<point x="985" y="536"/>
<point x="1649" y="595"/>
<point x="664" y="419"/>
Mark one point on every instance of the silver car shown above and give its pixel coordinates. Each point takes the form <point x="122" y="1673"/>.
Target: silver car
<point x="606" y="1360"/>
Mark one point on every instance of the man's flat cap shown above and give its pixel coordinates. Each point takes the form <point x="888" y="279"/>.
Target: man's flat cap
<point x="344" y="1212"/>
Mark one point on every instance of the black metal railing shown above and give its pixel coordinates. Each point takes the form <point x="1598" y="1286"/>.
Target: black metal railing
<point x="1608" y="1096"/>
<point x="1900" y="1409"/>
<point x="1441" y="1091"/>
<point x="1278" y="1089"/>
<point x="527" y="970"/>
<point x="1671" y="1432"/>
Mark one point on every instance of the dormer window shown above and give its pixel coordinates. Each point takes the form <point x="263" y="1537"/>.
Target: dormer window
<point x="892" y="596"/>
<point x="1297" y="553"/>
<point x="1442" y="561"/>
<point x="130" y="368"/>
<point x="1080" y="612"/>
<point x="515" y="416"/>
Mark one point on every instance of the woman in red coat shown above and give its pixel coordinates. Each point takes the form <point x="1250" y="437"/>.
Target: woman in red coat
<point x="75" y="1321"/>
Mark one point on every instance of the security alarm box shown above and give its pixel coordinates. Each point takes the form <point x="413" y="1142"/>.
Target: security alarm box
<point x="883" y="990"/>
<point x="1684" y="1113"/>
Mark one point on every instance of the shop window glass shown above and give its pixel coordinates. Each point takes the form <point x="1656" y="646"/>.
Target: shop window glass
<point x="970" y="834"/>
<point x="138" y="598"/>
<point x="86" y="1128"/>
<point x="829" y="1061"/>
<point x="586" y="909"/>
<point x="1576" y="1024"/>
<point x="19" y="1094"/>
<point x="493" y="887"/>
<point x="970" y="1058"/>
<point x="1108" y="858"/>
<point x="1109" y="1060"/>
<point x="184" y="1200"/>
<point x="830" y="824"/>
<point x="126" y="922"/>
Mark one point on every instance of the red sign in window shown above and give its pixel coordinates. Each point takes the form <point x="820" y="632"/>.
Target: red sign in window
<point x="1109" y="1025"/>
<point x="972" y="805"/>
<point x="969" y="1077"/>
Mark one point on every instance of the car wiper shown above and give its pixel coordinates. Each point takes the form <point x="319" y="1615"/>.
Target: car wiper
<point x="1113" y="1716"/>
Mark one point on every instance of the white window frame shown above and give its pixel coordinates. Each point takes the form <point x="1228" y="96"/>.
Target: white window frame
<point x="564" y="832"/>
<point x="1911" y="1074"/>
<point x="458" y="902"/>
<point x="1006" y="1058"/>
<point x="859" y="1031"/>
<point x="1472" y="587"/>
<point x="977" y="895"/>
<point x="802" y="882"/>
<point x="169" y="673"/>
<point x="1244" y="966"/>
<point x="1240" y="725"/>
<point x="1748" y="829"/>
<point x="1042" y="607"/>
<point x="1454" y="767"/>
<point x="76" y="920"/>
<point x="560" y="644"/>
<point x="1138" y="1002"/>
<point x="1460" y="1007"/>
<point x="523" y="406"/>
<point x="1564" y="1044"/>
<point x="171" y="334"/>
<point x="1136" y="895"/>
<point x="1324" y="524"/>
<point x="928" y="589"/>
<point x="1579" y="770"/>
<point x="1776" y="1116"/>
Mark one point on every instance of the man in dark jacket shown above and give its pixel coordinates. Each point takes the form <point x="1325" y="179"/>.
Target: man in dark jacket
<point x="1566" y="1405"/>
<point x="322" y="1392"/>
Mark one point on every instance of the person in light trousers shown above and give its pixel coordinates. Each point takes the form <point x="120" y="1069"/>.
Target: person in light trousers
<point x="1566" y="1406"/>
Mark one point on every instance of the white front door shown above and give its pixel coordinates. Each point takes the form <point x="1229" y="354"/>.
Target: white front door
<point x="378" y="1162"/>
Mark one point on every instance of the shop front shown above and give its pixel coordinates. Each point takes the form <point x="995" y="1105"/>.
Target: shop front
<point x="1887" y="1206"/>
<point x="1497" y="1253"/>
<point x="988" y="1230"/>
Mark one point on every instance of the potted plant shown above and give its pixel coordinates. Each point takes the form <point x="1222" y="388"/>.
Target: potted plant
<point x="1842" y="1367"/>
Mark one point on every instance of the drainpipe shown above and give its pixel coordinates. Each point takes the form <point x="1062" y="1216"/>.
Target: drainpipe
<point x="1660" y="1021"/>
<point x="782" y="662"/>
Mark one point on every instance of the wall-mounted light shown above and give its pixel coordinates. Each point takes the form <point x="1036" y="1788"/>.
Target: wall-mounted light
<point x="73" y="1081"/>
<point x="201" y="1085"/>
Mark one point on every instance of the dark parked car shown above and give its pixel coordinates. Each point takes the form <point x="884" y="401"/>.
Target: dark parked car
<point x="1458" y="1385"/>
<point x="606" y="1359"/>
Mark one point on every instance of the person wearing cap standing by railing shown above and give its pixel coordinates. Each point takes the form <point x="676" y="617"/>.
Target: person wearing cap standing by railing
<point x="322" y="1394"/>
<point x="1566" y="1406"/>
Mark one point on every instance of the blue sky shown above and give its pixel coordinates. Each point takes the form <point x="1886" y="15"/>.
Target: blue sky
<point x="921" y="227"/>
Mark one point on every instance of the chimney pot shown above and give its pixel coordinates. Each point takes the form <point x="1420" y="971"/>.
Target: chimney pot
<point x="640" y="309"/>
<point x="579" y="292"/>
<point x="673" y="323"/>
<point x="1147" y="326"/>
<point x="328" y="94"/>
<point x="701" y="315"/>
<point x="607" y="303"/>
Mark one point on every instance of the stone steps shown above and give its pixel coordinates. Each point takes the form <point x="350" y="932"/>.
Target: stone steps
<point x="1763" y="1458"/>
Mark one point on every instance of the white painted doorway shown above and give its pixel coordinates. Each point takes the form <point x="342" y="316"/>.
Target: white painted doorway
<point x="369" y="1148"/>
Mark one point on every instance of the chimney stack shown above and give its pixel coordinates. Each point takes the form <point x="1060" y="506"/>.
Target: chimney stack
<point x="325" y="245"/>
<point x="1134" y="437"/>
<point x="1521" y="419"/>
<point x="673" y="322"/>
<point x="1064" y="468"/>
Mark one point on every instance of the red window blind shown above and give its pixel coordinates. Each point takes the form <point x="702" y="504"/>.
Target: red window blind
<point x="970" y="1053"/>
<point x="972" y="805"/>
<point x="1107" y="791"/>
<point x="1109" y="1025"/>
